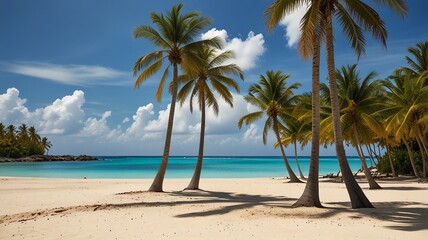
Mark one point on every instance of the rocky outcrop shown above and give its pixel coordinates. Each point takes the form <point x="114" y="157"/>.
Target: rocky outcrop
<point x="49" y="158"/>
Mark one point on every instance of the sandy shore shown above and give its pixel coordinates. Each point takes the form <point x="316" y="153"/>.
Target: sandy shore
<point x="226" y="209"/>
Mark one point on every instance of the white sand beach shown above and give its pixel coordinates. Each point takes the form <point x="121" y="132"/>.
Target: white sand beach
<point x="33" y="208"/>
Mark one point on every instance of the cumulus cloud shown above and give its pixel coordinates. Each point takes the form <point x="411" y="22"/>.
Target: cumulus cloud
<point x="12" y="107"/>
<point x="63" y="116"/>
<point x="96" y="127"/>
<point x="247" y="52"/>
<point x="291" y="24"/>
<point x="78" y="75"/>
<point x="252" y="134"/>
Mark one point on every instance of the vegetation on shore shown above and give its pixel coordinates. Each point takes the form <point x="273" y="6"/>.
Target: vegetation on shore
<point x="22" y="142"/>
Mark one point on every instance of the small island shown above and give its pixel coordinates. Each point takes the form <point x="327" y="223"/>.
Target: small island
<point x="24" y="144"/>
<point x="48" y="158"/>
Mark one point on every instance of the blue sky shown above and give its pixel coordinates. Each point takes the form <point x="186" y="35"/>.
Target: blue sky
<point x="66" y="68"/>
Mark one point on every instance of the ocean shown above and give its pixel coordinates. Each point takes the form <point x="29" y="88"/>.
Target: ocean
<point x="178" y="167"/>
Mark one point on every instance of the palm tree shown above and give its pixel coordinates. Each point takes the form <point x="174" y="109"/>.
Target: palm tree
<point x="359" y="100"/>
<point x="309" y="46"/>
<point x="418" y="67"/>
<point x="24" y="139"/>
<point x="208" y="69"/>
<point x="273" y="97"/>
<point x="175" y="37"/>
<point x="407" y="110"/>
<point x="294" y="132"/>
<point x="45" y="145"/>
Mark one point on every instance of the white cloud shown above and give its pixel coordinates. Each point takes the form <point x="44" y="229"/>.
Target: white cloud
<point x="96" y="127"/>
<point x="12" y="107"/>
<point x="252" y="134"/>
<point x="291" y="23"/>
<point x="247" y="52"/>
<point x="63" y="116"/>
<point x="125" y="120"/>
<point x="79" y="75"/>
<point x="140" y="120"/>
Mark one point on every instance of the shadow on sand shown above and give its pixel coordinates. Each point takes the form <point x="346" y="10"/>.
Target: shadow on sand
<point x="404" y="216"/>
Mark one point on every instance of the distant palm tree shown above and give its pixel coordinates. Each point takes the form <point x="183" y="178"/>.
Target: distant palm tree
<point x="295" y="132"/>
<point x="206" y="74"/>
<point x="45" y="145"/>
<point x="407" y="110"/>
<point x="359" y="100"/>
<point x="175" y="37"/>
<point x="273" y="97"/>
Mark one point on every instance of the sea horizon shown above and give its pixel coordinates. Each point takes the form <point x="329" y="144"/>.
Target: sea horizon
<point x="134" y="167"/>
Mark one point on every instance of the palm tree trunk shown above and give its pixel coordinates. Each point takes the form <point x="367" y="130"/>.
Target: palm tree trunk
<point x="297" y="161"/>
<point x="423" y="148"/>
<point x="412" y="160"/>
<point x="424" y="173"/>
<point x="293" y="177"/>
<point x="372" y="161"/>
<point x="372" y="183"/>
<point x="357" y="196"/>
<point x="158" y="181"/>
<point x="194" y="182"/>
<point x="394" y="174"/>
<point x="310" y="196"/>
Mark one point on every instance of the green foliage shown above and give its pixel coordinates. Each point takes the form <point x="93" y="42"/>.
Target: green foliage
<point x="22" y="142"/>
<point x="400" y="159"/>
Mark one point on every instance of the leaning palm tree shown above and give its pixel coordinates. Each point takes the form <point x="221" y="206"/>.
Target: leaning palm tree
<point x="208" y="74"/>
<point x="175" y="37"/>
<point x="273" y="97"/>
<point x="359" y="101"/>
<point x="295" y="132"/>
<point x="406" y="109"/>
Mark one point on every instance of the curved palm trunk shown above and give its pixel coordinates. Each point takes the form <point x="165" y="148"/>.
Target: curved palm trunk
<point x="424" y="172"/>
<point x="357" y="196"/>
<point x="394" y="174"/>
<point x="412" y="160"/>
<point x="372" y="183"/>
<point x="423" y="148"/>
<point x="194" y="182"/>
<point x="297" y="161"/>
<point x="372" y="161"/>
<point x="158" y="181"/>
<point x="293" y="177"/>
<point x="310" y="196"/>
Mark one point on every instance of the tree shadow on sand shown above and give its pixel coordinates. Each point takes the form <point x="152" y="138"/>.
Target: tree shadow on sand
<point x="407" y="216"/>
<point x="404" y="216"/>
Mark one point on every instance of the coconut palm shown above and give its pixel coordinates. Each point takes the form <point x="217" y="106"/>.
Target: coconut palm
<point x="208" y="74"/>
<point x="295" y="132"/>
<point x="175" y="35"/>
<point x="407" y="110"/>
<point x="309" y="46"/>
<point x="273" y="97"/>
<point x="418" y="67"/>
<point x="45" y="144"/>
<point x="359" y="100"/>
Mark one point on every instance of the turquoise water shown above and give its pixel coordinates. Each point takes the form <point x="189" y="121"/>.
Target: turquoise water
<point x="178" y="167"/>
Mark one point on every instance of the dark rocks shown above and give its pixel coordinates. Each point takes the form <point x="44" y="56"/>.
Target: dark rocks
<point x="49" y="158"/>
